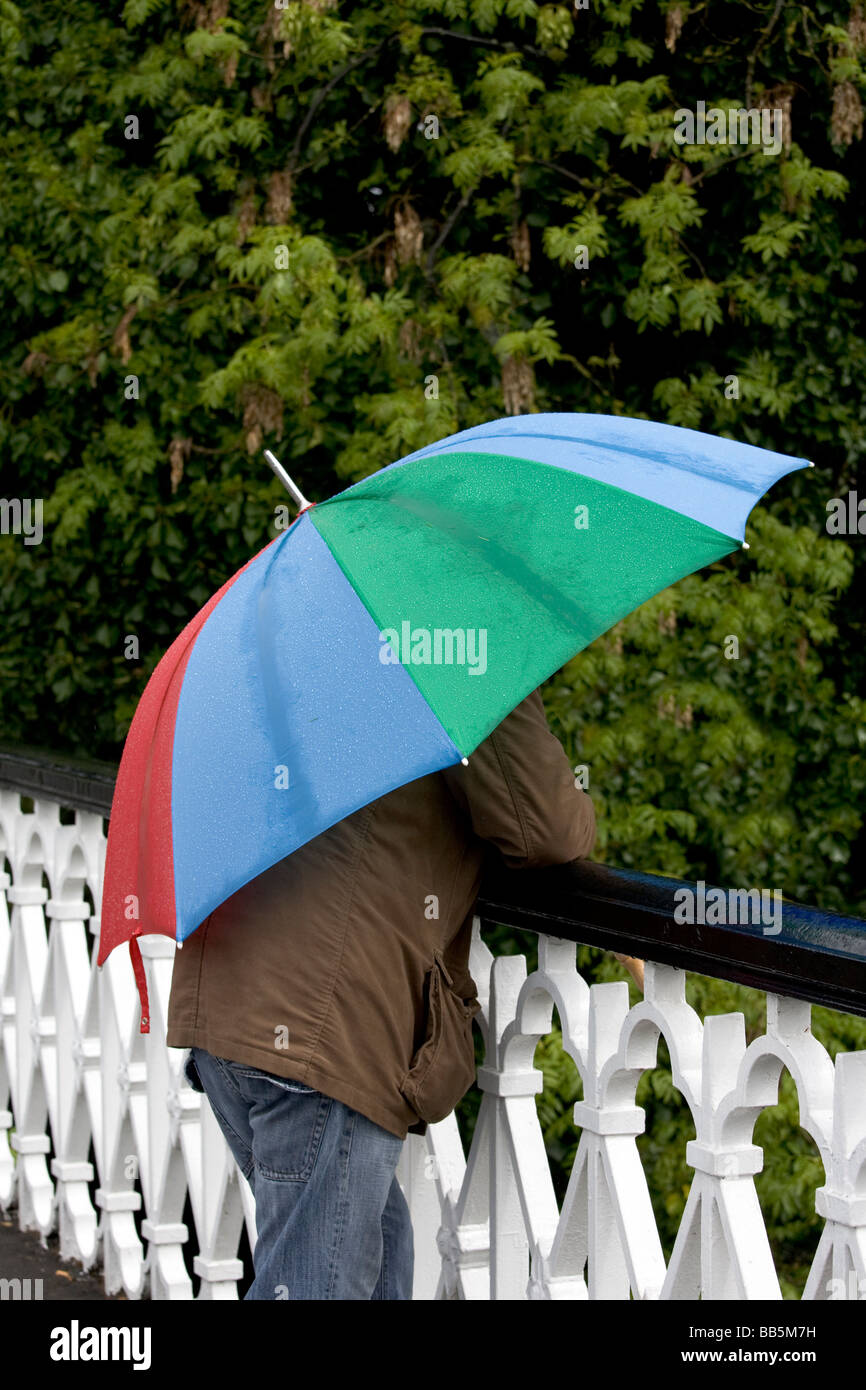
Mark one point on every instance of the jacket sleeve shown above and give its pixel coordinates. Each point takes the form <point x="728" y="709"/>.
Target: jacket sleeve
<point x="518" y="792"/>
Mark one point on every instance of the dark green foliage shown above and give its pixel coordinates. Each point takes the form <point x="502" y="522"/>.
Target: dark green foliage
<point x="430" y="284"/>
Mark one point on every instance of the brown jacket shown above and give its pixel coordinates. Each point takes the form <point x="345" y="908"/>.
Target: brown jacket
<point x="345" y="966"/>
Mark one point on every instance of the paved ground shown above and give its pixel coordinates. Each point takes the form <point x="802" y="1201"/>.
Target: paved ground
<point x="23" y="1257"/>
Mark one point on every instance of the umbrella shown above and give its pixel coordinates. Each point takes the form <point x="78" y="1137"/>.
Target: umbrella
<point x="386" y="633"/>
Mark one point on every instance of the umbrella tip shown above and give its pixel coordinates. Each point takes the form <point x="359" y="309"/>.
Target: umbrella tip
<point x="746" y="545"/>
<point x="465" y="762"/>
<point x="811" y="464"/>
<point x="293" y="491"/>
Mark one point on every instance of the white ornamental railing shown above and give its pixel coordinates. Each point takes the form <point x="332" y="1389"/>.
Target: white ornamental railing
<point x="110" y="1139"/>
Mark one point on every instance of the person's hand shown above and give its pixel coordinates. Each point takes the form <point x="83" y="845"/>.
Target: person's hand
<point x="634" y="968"/>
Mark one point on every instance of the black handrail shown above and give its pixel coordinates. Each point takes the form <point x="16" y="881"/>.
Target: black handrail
<point x="815" y="955"/>
<point x="79" y="783"/>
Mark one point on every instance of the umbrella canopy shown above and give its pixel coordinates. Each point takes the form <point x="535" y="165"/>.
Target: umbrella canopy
<point x="389" y="630"/>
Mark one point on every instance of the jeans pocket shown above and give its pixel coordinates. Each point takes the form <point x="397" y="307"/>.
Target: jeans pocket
<point x="286" y="1083"/>
<point x="443" y="1068"/>
<point x="287" y="1119"/>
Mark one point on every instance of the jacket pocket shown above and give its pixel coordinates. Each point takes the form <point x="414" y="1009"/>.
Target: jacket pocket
<point x="443" y="1068"/>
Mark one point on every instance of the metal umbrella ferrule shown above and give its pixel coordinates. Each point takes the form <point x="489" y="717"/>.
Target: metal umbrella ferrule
<point x="291" y="488"/>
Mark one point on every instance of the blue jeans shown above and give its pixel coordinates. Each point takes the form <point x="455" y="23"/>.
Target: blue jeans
<point x="331" y="1218"/>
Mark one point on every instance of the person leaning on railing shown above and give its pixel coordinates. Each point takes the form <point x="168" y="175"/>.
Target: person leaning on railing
<point x="328" y="1004"/>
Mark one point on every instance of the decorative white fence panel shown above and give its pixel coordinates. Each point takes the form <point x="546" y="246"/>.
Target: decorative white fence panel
<point x="75" y="1072"/>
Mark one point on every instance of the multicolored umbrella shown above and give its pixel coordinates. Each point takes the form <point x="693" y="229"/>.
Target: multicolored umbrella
<point x="388" y="630"/>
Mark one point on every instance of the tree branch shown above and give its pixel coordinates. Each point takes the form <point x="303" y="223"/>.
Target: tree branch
<point x="718" y="167"/>
<point x="753" y="56"/>
<point x="365" y="250"/>
<point x="486" y="43"/>
<point x="566" y="173"/>
<point x="431" y="254"/>
<point x="325" y="91"/>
